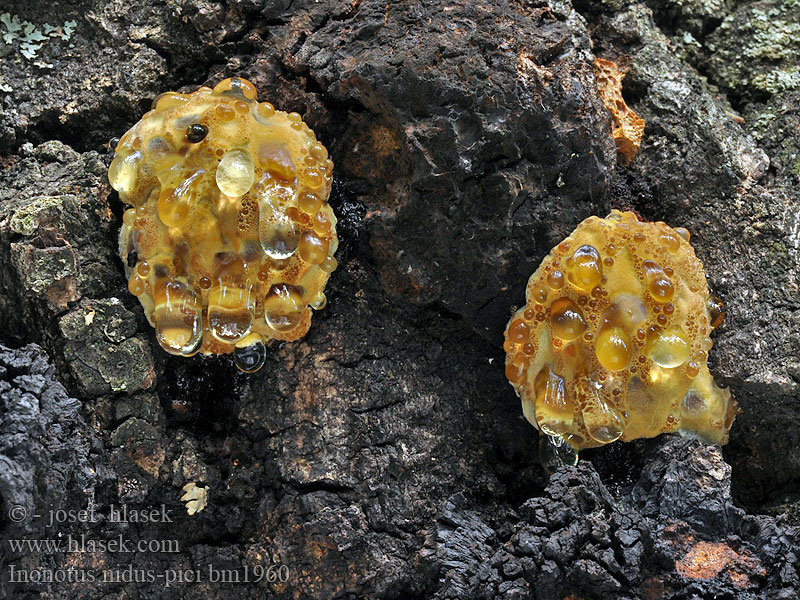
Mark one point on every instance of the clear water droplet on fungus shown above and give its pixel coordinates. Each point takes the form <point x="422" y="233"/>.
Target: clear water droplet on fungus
<point x="250" y="358"/>
<point x="279" y="239"/>
<point x="178" y="318"/>
<point x="235" y="173"/>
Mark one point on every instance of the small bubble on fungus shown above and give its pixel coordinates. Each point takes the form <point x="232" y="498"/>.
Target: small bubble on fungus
<point x="229" y="240"/>
<point x="628" y="126"/>
<point x="632" y="366"/>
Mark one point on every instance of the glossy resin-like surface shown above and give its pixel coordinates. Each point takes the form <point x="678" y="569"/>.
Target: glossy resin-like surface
<point x="230" y="239"/>
<point x="613" y="341"/>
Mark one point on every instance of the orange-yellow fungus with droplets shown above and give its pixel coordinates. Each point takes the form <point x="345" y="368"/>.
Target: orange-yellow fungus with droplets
<point x="613" y="341"/>
<point x="230" y="238"/>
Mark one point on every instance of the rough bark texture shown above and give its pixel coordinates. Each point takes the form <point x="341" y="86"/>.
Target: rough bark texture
<point x="384" y="455"/>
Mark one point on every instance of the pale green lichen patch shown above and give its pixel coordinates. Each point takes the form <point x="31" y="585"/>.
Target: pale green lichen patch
<point x="29" y="37"/>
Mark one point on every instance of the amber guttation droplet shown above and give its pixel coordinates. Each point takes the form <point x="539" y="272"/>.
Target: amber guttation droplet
<point x="136" y="286"/>
<point x="124" y="171"/>
<point x="318" y="302"/>
<point x="235" y="173"/>
<point x="566" y="319"/>
<point x="658" y="284"/>
<point x="318" y="151"/>
<point x="584" y="269"/>
<point x="669" y="348"/>
<point x="224" y="112"/>
<point x="627" y="311"/>
<point x="716" y="312"/>
<point x="518" y="331"/>
<point x="328" y="265"/>
<point x="613" y="348"/>
<point x="237" y="88"/>
<point x="312" y="249"/>
<point x="671" y="241"/>
<point x="683" y="232"/>
<point x="692" y="369"/>
<point x="321" y="223"/>
<point x="516" y="368"/>
<point x="265" y="111"/>
<point x="555" y="279"/>
<point x="309" y="202"/>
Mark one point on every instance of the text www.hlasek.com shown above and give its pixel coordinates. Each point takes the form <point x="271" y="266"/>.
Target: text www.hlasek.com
<point x="83" y="544"/>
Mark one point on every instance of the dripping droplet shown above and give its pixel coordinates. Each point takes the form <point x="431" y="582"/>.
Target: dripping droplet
<point x="178" y="318"/>
<point x="174" y="203"/>
<point x="554" y="408"/>
<point x="554" y="453"/>
<point x="250" y="358"/>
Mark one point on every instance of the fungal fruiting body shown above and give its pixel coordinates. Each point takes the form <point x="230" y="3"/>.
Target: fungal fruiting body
<point x="613" y="340"/>
<point x="230" y="238"/>
<point x="628" y="127"/>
